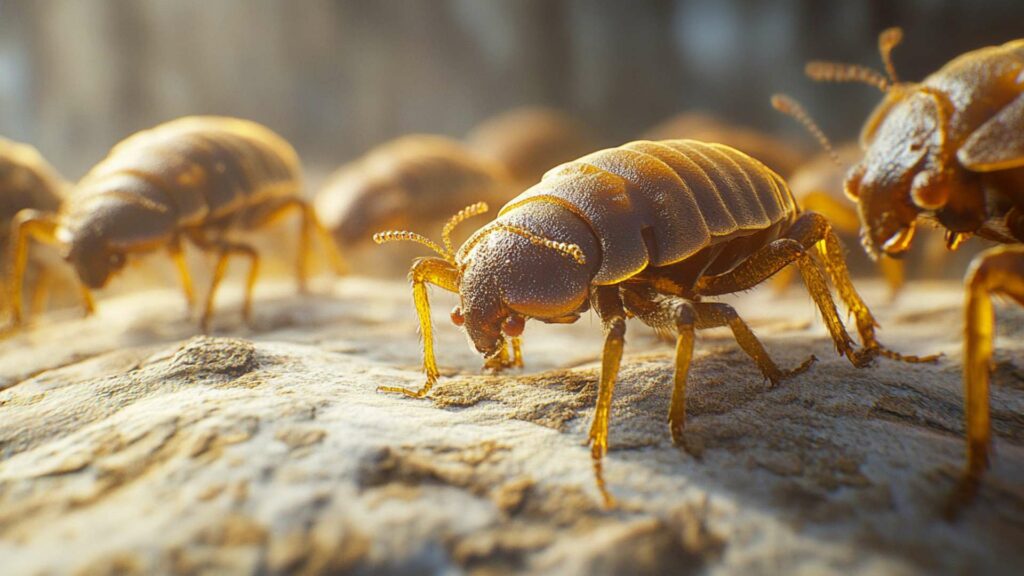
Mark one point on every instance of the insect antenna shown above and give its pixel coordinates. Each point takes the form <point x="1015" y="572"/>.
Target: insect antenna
<point x="791" y="107"/>
<point x="459" y="217"/>
<point x="887" y="40"/>
<point x="398" y="235"/>
<point x="569" y="250"/>
<point x="821" y="71"/>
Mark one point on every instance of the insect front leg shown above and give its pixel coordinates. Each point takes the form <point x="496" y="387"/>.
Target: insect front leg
<point x="440" y="273"/>
<point x="608" y="304"/>
<point x="999" y="270"/>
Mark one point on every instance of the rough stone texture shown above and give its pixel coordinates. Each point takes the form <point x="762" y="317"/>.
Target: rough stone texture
<point x="128" y="445"/>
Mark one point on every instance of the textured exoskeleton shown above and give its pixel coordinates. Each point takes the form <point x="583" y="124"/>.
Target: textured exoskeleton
<point x="817" y="186"/>
<point x="529" y="141"/>
<point x="949" y="150"/>
<point x="777" y="153"/>
<point x="649" y="229"/>
<point x="199" y="178"/>
<point x="27" y="181"/>
<point x="417" y="180"/>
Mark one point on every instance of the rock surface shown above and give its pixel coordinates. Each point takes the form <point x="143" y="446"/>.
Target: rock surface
<point x="128" y="445"/>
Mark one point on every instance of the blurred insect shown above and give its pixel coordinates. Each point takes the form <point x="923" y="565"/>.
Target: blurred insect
<point x="27" y="181"/>
<point x="777" y="153"/>
<point x="199" y="178"/>
<point x="414" y="180"/>
<point x="648" y="229"/>
<point x="528" y="141"/>
<point x="949" y="150"/>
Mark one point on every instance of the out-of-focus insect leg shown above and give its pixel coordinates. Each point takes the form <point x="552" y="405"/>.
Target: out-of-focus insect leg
<point x="815" y="233"/>
<point x="178" y="255"/>
<point x="440" y="273"/>
<point x="40" y="290"/>
<point x="998" y="270"/>
<point x="27" y="225"/>
<point x="769" y="260"/>
<point x="224" y="251"/>
<point x="608" y="304"/>
<point x="894" y="272"/>
<point x="715" y="314"/>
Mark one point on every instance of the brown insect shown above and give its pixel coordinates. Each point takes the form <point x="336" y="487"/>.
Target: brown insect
<point x="529" y="141"/>
<point x="817" y="186"/>
<point x="27" y="181"/>
<point x="414" y="180"/>
<point x="949" y="150"/>
<point x="199" y="178"/>
<point x="649" y="229"/>
<point x="777" y="153"/>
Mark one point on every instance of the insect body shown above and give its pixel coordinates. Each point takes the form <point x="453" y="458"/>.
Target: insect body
<point x="777" y="153"/>
<point x="196" y="178"/>
<point x="414" y="180"/>
<point x="949" y="150"/>
<point x="648" y="229"/>
<point x="27" y="181"/>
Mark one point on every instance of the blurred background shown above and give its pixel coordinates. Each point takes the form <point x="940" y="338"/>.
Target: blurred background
<point x="339" y="76"/>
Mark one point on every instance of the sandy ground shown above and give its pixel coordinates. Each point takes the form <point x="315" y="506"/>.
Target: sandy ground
<point x="130" y="445"/>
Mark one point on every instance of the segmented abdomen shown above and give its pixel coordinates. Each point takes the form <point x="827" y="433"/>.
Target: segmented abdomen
<point x="204" y="168"/>
<point x="657" y="203"/>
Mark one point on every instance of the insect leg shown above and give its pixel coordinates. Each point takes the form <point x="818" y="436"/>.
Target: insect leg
<point x="224" y="251"/>
<point x="769" y="260"/>
<point x="608" y="304"/>
<point x="27" y="225"/>
<point x="40" y="290"/>
<point x="815" y="233"/>
<point x="715" y="314"/>
<point x="998" y="270"/>
<point x="425" y="271"/>
<point x="178" y="255"/>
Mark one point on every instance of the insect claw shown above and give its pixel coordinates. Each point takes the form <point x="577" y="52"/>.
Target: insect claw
<point x="421" y="393"/>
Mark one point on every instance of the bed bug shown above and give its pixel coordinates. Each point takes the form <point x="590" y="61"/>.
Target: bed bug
<point x="529" y="140"/>
<point x="949" y="150"/>
<point x="27" y="181"/>
<point x="648" y="229"/>
<point x="777" y="153"/>
<point x="195" y="178"/>
<point x="413" y="180"/>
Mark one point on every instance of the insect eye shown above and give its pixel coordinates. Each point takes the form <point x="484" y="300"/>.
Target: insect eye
<point x="513" y="325"/>
<point x="457" y="318"/>
<point x="115" y="259"/>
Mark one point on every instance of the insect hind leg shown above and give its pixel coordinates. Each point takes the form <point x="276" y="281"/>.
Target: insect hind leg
<point x="815" y="233"/>
<point x="774" y="257"/>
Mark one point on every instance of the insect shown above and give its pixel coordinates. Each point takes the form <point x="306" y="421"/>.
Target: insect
<point x="777" y="153"/>
<point x="949" y="150"/>
<point x="413" y="180"/>
<point x="27" y="181"/>
<point x="528" y="141"/>
<point x="195" y="178"/>
<point x="817" y="186"/>
<point x="649" y="229"/>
